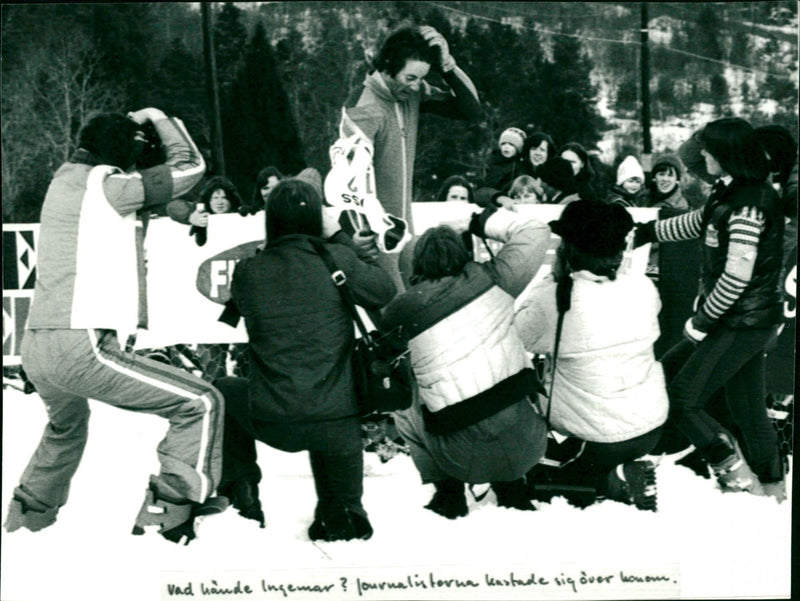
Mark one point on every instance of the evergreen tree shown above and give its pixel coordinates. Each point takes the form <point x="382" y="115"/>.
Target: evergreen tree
<point x="569" y="113"/>
<point x="230" y="39"/>
<point x="258" y="125"/>
<point x="178" y="88"/>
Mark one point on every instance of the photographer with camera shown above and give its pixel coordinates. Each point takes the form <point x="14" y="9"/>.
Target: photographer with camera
<point x="89" y="301"/>
<point x="472" y="421"/>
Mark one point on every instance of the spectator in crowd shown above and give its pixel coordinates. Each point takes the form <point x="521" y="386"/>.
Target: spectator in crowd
<point x="738" y="310"/>
<point x="505" y="163"/>
<point x="386" y="109"/>
<point x="581" y="164"/>
<point x="455" y="187"/>
<point x="300" y="395"/>
<point x="218" y="195"/>
<point x="629" y="190"/>
<point x="558" y="181"/>
<point x="90" y="300"/>
<point x="472" y="420"/>
<point x="538" y="147"/>
<point x="608" y="388"/>
<point x="267" y="179"/>
<point x="525" y="190"/>
<point x="665" y="189"/>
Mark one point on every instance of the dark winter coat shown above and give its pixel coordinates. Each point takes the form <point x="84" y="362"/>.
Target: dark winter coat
<point x="502" y="171"/>
<point x="759" y="306"/>
<point x="619" y="196"/>
<point x="300" y="332"/>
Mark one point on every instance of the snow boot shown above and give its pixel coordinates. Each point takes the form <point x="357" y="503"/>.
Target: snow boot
<point x="176" y="519"/>
<point x="513" y="494"/>
<point x="25" y="511"/>
<point x="634" y="483"/>
<point x="449" y="499"/>
<point x="339" y="523"/>
<point x="732" y="472"/>
<point x="244" y="497"/>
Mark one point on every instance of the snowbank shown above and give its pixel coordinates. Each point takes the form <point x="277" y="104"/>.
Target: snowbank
<point x="701" y="543"/>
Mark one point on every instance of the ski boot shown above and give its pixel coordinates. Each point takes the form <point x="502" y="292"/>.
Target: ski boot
<point x="732" y="472"/>
<point x="176" y="519"/>
<point x="25" y="511"/>
<point x="634" y="483"/>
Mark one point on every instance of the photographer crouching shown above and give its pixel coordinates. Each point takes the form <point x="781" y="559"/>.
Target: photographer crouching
<point x="89" y="301"/>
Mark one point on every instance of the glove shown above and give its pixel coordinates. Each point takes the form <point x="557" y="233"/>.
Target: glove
<point x="645" y="234"/>
<point x="692" y="334"/>
<point x="478" y="221"/>
<point x="434" y="38"/>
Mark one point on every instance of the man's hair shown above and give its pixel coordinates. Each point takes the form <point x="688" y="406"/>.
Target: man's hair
<point x="294" y="207"/>
<point x="733" y="142"/>
<point x="111" y="137"/>
<point x="439" y="252"/>
<point x="405" y="44"/>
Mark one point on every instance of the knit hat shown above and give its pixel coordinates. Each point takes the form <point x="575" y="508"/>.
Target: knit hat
<point x="557" y="172"/>
<point x="514" y="136"/>
<point x="668" y="160"/>
<point x="594" y="227"/>
<point x="629" y="168"/>
<point x="311" y="176"/>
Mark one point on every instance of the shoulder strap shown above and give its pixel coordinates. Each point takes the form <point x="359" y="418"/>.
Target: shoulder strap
<point x="340" y="281"/>
<point x="563" y="294"/>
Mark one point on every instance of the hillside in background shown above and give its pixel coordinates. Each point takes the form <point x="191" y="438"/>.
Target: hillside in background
<point x="284" y="68"/>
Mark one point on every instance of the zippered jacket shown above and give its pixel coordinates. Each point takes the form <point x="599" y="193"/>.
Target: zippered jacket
<point x="392" y="127"/>
<point x="90" y="263"/>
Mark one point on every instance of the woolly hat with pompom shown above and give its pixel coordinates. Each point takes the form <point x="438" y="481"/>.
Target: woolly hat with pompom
<point x="514" y="136"/>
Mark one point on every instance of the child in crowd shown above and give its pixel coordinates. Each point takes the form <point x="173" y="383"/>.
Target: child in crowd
<point x="505" y="163"/>
<point x="526" y="190"/>
<point x="629" y="190"/>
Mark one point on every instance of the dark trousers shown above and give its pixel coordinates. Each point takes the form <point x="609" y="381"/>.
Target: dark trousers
<point x="599" y="458"/>
<point x="334" y="446"/>
<point x="731" y="360"/>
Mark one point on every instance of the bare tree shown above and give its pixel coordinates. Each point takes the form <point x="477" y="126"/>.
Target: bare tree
<point x="45" y="101"/>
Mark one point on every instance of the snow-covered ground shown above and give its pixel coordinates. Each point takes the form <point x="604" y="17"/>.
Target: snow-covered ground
<point x="700" y="544"/>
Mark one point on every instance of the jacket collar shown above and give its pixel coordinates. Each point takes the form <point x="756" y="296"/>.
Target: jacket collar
<point x="375" y="82"/>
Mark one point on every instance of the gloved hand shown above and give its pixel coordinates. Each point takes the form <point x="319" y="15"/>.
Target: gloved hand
<point x="434" y="38"/>
<point x="644" y="233"/>
<point x="691" y="333"/>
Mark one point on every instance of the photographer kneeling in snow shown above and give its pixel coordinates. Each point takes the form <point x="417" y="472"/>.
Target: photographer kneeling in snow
<point x="300" y="393"/>
<point x="608" y="389"/>
<point x="472" y="420"/>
